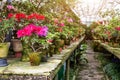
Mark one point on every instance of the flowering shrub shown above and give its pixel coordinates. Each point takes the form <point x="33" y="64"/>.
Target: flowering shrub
<point x="32" y="34"/>
<point x="33" y="29"/>
<point x="19" y="16"/>
<point x="23" y="19"/>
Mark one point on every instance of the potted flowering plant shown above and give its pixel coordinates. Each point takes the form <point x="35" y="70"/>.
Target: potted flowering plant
<point x="5" y="26"/>
<point x="31" y="35"/>
<point x="21" y="20"/>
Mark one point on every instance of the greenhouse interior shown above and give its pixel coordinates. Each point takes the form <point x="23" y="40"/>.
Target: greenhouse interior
<point x="59" y="39"/>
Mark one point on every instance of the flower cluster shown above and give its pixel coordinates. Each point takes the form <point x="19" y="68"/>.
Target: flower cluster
<point x="19" y="16"/>
<point x="32" y="29"/>
<point x="60" y="24"/>
<point x="10" y="7"/>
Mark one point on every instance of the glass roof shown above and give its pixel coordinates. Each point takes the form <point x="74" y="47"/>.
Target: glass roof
<point x="91" y="10"/>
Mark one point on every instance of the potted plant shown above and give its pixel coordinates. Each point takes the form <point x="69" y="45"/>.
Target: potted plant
<point x="5" y="26"/>
<point x="30" y="36"/>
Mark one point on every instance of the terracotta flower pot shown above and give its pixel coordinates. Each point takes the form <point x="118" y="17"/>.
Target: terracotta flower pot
<point x="17" y="47"/>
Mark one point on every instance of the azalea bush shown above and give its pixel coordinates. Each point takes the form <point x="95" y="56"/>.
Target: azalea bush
<point x="29" y="22"/>
<point x="108" y="31"/>
<point x="23" y="19"/>
<point x="32" y="34"/>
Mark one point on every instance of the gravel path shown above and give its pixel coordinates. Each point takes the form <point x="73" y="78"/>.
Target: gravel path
<point x="92" y="70"/>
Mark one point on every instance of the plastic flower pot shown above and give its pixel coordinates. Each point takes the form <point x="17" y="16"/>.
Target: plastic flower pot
<point x="4" y="47"/>
<point x="35" y="58"/>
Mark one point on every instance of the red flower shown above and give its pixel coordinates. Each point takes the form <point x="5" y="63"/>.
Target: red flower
<point x="19" y="16"/>
<point x="10" y="15"/>
<point x="39" y="17"/>
<point x="36" y="16"/>
<point x="31" y="16"/>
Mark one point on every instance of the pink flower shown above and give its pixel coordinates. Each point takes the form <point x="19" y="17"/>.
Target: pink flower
<point x="10" y="7"/>
<point x="61" y="24"/>
<point x="118" y="28"/>
<point x="43" y="31"/>
<point x="56" y="21"/>
<point x="27" y="32"/>
<point x="20" y="33"/>
<point x="70" y="20"/>
<point x="30" y="27"/>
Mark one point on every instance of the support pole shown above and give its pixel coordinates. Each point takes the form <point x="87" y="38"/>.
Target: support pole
<point x="67" y="69"/>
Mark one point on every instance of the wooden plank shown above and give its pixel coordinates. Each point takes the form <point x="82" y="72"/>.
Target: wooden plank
<point x="114" y="51"/>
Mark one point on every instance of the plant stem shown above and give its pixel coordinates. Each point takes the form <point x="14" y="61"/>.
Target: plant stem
<point x="32" y="48"/>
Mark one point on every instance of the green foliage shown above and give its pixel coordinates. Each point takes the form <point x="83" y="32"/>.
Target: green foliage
<point x="83" y="47"/>
<point x="26" y="7"/>
<point x="113" y="70"/>
<point x="5" y="26"/>
<point x="114" y="22"/>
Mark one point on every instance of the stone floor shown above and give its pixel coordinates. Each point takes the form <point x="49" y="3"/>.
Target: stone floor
<point x="92" y="70"/>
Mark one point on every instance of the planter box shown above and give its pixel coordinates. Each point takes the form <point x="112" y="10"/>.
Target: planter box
<point x="112" y="50"/>
<point x="45" y="71"/>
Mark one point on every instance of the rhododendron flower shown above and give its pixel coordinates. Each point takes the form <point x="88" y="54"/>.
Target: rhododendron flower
<point x="40" y="17"/>
<point x="43" y="31"/>
<point x="10" y="15"/>
<point x="19" y="16"/>
<point x="70" y="20"/>
<point x="20" y="33"/>
<point x="36" y="16"/>
<point x="10" y="7"/>
<point x="27" y="32"/>
<point x="32" y="29"/>
<point x="61" y="24"/>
